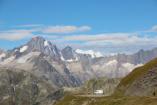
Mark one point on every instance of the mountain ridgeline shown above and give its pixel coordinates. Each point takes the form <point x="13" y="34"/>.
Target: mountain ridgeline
<point x="48" y="67"/>
<point x="69" y="67"/>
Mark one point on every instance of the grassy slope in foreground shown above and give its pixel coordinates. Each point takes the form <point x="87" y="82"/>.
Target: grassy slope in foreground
<point x="79" y="100"/>
<point x="135" y="75"/>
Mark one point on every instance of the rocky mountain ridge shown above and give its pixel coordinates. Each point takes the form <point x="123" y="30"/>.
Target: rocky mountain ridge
<point x="73" y="67"/>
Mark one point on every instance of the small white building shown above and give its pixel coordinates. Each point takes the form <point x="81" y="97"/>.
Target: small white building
<point x="98" y="92"/>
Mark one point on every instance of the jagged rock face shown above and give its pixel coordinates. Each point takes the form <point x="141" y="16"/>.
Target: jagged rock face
<point x="68" y="53"/>
<point x="64" y="78"/>
<point x="86" y="62"/>
<point x="144" y="56"/>
<point x="141" y="81"/>
<point x="82" y="68"/>
<point x="18" y="87"/>
<point x="36" y="44"/>
<point x="44" y="46"/>
<point x="42" y="66"/>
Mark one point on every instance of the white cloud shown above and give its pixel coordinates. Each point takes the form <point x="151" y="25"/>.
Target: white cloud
<point x="111" y="42"/>
<point x="18" y="34"/>
<point x="29" y="25"/>
<point x="65" y="29"/>
<point x="154" y="28"/>
<point x="114" y="42"/>
<point x="99" y="37"/>
<point x="113" y="38"/>
<point x="14" y="35"/>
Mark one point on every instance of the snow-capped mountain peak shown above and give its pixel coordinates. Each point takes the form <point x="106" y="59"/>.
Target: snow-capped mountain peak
<point x="42" y="45"/>
<point x="36" y="44"/>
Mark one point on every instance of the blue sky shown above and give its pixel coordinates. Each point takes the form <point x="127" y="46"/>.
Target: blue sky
<point x="109" y="26"/>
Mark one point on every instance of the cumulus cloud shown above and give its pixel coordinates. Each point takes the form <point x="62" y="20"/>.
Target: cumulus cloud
<point x="65" y="29"/>
<point x="14" y="35"/>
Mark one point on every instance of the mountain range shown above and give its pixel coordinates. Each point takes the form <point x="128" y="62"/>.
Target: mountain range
<point x="40" y="71"/>
<point x="70" y="67"/>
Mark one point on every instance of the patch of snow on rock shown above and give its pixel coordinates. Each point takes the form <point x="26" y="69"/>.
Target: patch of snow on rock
<point x="2" y="55"/>
<point x="98" y="54"/>
<point x="23" y="49"/>
<point x="54" y="51"/>
<point x="70" y="60"/>
<point x="16" y="50"/>
<point x="46" y="43"/>
<point x="112" y="62"/>
<point x="23" y="59"/>
<point x="130" y="66"/>
<point x="62" y="58"/>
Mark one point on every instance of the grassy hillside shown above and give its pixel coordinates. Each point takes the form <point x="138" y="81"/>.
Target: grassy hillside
<point x="138" y="72"/>
<point x="136" y="75"/>
<point x="79" y="100"/>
